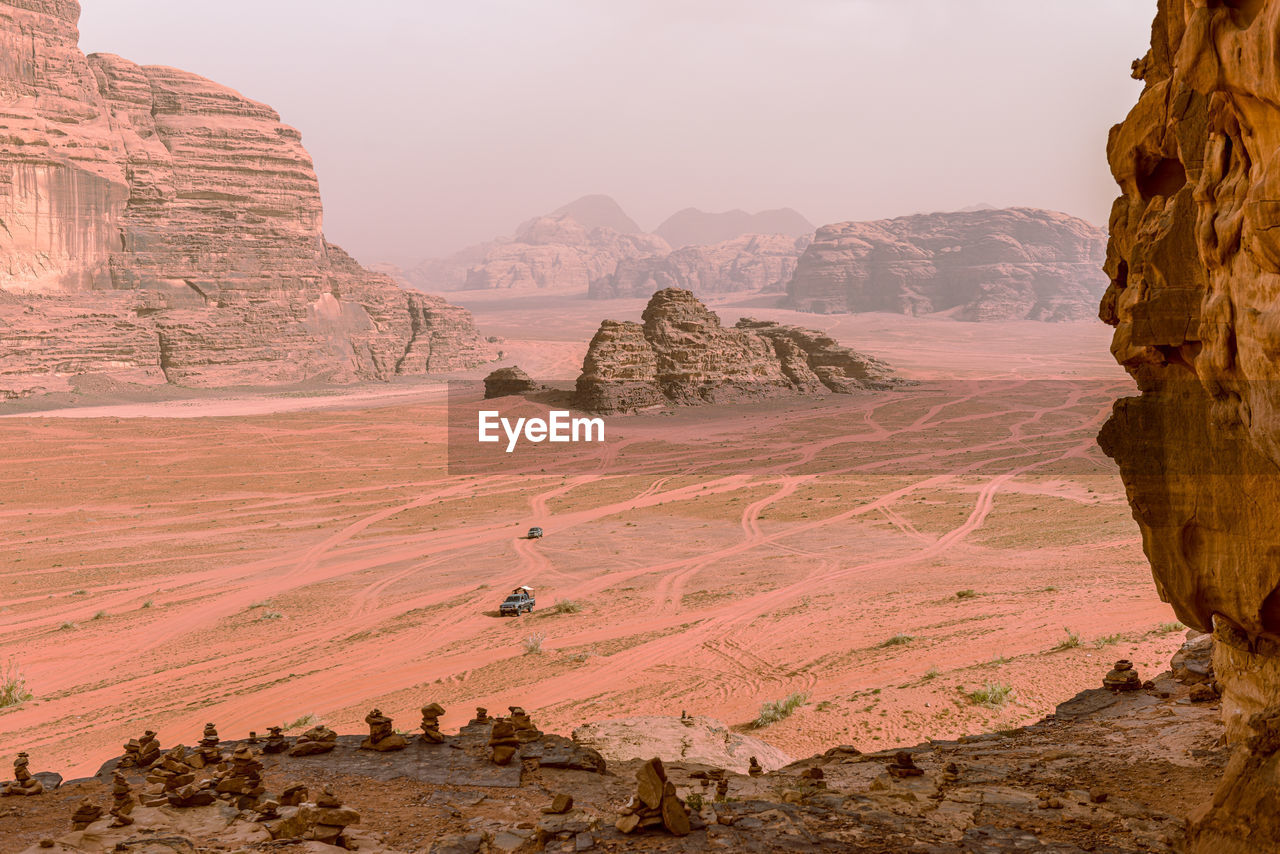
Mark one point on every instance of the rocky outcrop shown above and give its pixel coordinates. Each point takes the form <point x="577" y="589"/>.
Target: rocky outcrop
<point x="508" y="381"/>
<point x="1013" y="264"/>
<point x="157" y="225"/>
<point x="681" y="354"/>
<point x="694" y="738"/>
<point x="692" y="227"/>
<point x="1194" y="262"/>
<point x="559" y="253"/>
<point x="754" y="262"/>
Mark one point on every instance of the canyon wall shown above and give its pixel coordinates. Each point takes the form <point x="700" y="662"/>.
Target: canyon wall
<point x="1010" y="264"/>
<point x="1194" y="262"/>
<point x="681" y="354"/>
<point x="157" y="227"/>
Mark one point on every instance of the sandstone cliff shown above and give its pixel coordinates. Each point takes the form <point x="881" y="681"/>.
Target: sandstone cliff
<point x="753" y="262"/>
<point x="155" y="225"/>
<point x="1012" y="264"/>
<point x="692" y="227"/>
<point x="1194" y="262"/>
<point x="681" y="354"/>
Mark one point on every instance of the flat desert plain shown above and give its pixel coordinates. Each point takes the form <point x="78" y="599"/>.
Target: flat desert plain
<point x="951" y="557"/>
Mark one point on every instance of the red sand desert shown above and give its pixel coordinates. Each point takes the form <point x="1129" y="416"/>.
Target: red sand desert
<point x="255" y="561"/>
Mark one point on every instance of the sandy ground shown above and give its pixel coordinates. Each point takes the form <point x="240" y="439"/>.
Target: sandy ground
<point x="885" y="555"/>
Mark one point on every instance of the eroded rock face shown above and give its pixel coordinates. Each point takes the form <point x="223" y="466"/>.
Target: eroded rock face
<point x="681" y="354"/>
<point x="1194" y="261"/>
<point x="158" y="226"/>
<point x="754" y="262"/>
<point x="1012" y="264"/>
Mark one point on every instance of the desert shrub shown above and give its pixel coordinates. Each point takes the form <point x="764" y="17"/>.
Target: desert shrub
<point x="533" y="643"/>
<point x="694" y="802"/>
<point x="100" y="615"/>
<point x="897" y="640"/>
<point x="967" y="594"/>
<point x="13" y="685"/>
<point x="305" y="722"/>
<point x="777" y="710"/>
<point x="931" y="673"/>
<point x="1071" y="641"/>
<point x="266" y="616"/>
<point x="990" y="694"/>
<point x="67" y="626"/>
<point x="566" y="606"/>
<point x="1108" y="640"/>
<point x="150" y="603"/>
<point x="1169" y="628"/>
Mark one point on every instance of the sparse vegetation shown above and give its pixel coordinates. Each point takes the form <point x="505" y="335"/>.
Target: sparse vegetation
<point x="67" y="626"/>
<point x="269" y="615"/>
<point x="566" y="606"/>
<point x="149" y="603"/>
<point x="13" y="685"/>
<point x="991" y="695"/>
<point x="931" y="673"/>
<point x="999" y="659"/>
<point x="101" y="615"/>
<point x="1170" y="628"/>
<point x="966" y="594"/>
<point x="1071" y="641"/>
<point x="533" y="643"/>
<point x="694" y="802"/>
<point x="1107" y="640"/>
<point x="897" y="640"/>
<point x="771" y="713"/>
<point x="305" y="722"/>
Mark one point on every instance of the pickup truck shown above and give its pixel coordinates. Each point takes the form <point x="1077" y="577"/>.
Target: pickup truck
<point x="520" y="601"/>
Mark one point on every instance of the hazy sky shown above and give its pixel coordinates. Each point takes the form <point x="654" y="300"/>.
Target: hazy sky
<point x="436" y="124"/>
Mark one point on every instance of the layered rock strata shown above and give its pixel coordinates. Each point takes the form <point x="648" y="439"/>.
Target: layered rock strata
<point x="1013" y="264"/>
<point x="681" y="354"/>
<point x="155" y="226"/>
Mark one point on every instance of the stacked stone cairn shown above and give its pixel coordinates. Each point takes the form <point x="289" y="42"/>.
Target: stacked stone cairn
<point x="87" y="812"/>
<point x="318" y="739"/>
<point x="242" y="782"/>
<point x="276" y="742"/>
<point x="523" y="725"/>
<point x="23" y="782"/>
<point x="382" y="735"/>
<point x="431" y="724"/>
<point x="655" y="803"/>
<point x="1123" y="677"/>
<point x="206" y="754"/>
<point x="141" y="752"/>
<point x="173" y="781"/>
<point x="503" y="742"/>
<point x="121" y="801"/>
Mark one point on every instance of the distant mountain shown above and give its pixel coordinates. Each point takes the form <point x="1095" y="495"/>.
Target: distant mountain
<point x="1003" y="264"/>
<point x="693" y="227"/>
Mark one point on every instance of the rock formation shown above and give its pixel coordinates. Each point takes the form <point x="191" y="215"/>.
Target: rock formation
<point x="1014" y="264"/>
<point x="559" y="253"/>
<point x="1194" y="262"/>
<point x="691" y="226"/>
<point x="382" y="735"/>
<point x="655" y="803"/>
<point x="431" y="723"/>
<point x="753" y="262"/>
<point x="681" y="354"/>
<point x="318" y="739"/>
<point x="160" y="227"/>
<point x="507" y="381"/>
<point x="24" y="782"/>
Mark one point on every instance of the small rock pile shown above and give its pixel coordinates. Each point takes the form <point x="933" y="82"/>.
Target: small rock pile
<point x="324" y="821"/>
<point x="87" y="812"/>
<point x="121" y="801"/>
<point x="523" y="724"/>
<point x="1123" y="677"/>
<point x="318" y="739"/>
<point x="382" y="735"/>
<point x="23" y="782"/>
<point x="503" y="742"/>
<point x="141" y="752"/>
<point x="431" y="724"/>
<point x="173" y="781"/>
<point x="276" y="742"/>
<point x="655" y="803"/>
<point x="242" y="782"/>
<point x="206" y="753"/>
